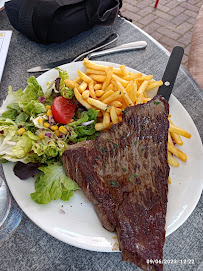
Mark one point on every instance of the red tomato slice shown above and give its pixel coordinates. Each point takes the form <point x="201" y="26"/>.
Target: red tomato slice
<point x="63" y="109"/>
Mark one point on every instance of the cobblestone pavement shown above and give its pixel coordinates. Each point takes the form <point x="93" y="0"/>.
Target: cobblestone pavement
<point x="171" y="23"/>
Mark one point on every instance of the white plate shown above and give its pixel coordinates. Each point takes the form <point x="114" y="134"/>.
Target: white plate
<point x="79" y="225"/>
<point x="2" y="2"/>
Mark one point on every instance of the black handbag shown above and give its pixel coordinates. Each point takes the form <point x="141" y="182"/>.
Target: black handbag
<point x="48" y="21"/>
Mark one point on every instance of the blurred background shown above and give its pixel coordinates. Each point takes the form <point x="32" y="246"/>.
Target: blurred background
<point x="170" y="23"/>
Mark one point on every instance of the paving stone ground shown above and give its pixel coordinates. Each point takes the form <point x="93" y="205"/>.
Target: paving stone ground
<point x="171" y="23"/>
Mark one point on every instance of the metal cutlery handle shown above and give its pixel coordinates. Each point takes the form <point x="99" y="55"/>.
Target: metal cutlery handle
<point x="113" y="37"/>
<point x="121" y="48"/>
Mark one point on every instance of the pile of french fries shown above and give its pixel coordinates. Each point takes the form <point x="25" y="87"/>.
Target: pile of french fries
<point x="111" y="90"/>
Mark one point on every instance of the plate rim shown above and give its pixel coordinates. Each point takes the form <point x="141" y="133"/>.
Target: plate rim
<point x="99" y="249"/>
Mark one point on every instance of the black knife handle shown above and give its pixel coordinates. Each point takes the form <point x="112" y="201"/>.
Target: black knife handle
<point x="171" y="72"/>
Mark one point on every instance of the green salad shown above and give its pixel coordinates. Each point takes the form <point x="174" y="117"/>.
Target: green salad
<point x="36" y="127"/>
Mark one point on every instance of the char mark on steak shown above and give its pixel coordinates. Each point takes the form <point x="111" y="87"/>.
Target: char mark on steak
<point x="124" y="173"/>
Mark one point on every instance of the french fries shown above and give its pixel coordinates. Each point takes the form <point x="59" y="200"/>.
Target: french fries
<point x="98" y="78"/>
<point x="77" y="79"/>
<point x="91" y="89"/>
<point x="179" y="131"/>
<point x="91" y="65"/>
<point x="70" y="83"/>
<point x="132" y="76"/>
<point x="112" y="97"/>
<point x="111" y="90"/>
<point x="106" y="119"/>
<point x="84" y="77"/>
<point x="172" y="161"/>
<point x="177" y="152"/>
<point x="82" y="87"/>
<point x="118" y="79"/>
<point x="91" y="71"/>
<point x="113" y="114"/>
<point x="99" y="126"/>
<point x="98" y="104"/>
<point x="154" y="84"/>
<point x="106" y="95"/>
<point x="85" y="94"/>
<point x="176" y="138"/>
<point x="108" y="78"/>
<point x="97" y="86"/>
<point x="143" y="87"/>
<point x="78" y="96"/>
<point x="124" y="93"/>
<point x="124" y="70"/>
<point x="99" y="93"/>
<point x="140" y="99"/>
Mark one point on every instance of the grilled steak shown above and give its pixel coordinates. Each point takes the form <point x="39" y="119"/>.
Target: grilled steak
<point x="124" y="173"/>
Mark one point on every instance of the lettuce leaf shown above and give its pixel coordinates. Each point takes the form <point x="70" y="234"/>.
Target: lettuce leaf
<point x="10" y="114"/>
<point x="63" y="75"/>
<point x="4" y="122"/>
<point x="84" y="117"/>
<point x="21" y="118"/>
<point x="8" y="138"/>
<point x="33" y="108"/>
<point x="84" y="132"/>
<point x="12" y="146"/>
<point x="22" y="147"/>
<point x="32" y="136"/>
<point x="67" y="93"/>
<point x="11" y="98"/>
<point x="53" y="184"/>
<point x="9" y="135"/>
<point x="46" y="149"/>
<point x="25" y="171"/>
<point x="32" y="92"/>
<point x="14" y="106"/>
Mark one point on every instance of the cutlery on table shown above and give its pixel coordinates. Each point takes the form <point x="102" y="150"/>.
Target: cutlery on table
<point x="45" y="67"/>
<point x="121" y="48"/>
<point x="171" y="72"/>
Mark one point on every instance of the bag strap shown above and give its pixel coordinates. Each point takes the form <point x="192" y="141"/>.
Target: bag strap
<point x="25" y="18"/>
<point x="42" y="16"/>
<point x="102" y="12"/>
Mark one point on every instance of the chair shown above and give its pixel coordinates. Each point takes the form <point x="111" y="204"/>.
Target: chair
<point x="156" y="4"/>
<point x="195" y="60"/>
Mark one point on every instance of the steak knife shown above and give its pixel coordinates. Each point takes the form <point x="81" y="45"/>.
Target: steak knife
<point x="171" y="72"/>
<point x="45" y="67"/>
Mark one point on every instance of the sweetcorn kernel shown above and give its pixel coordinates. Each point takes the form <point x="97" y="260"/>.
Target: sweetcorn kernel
<point x="48" y="107"/>
<point x="46" y="125"/>
<point x="40" y="120"/>
<point x="56" y="132"/>
<point x="63" y="130"/>
<point x="49" y="112"/>
<point x="41" y="135"/>
<point x="21" y="131"/>
<point x="54" y="127"/>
